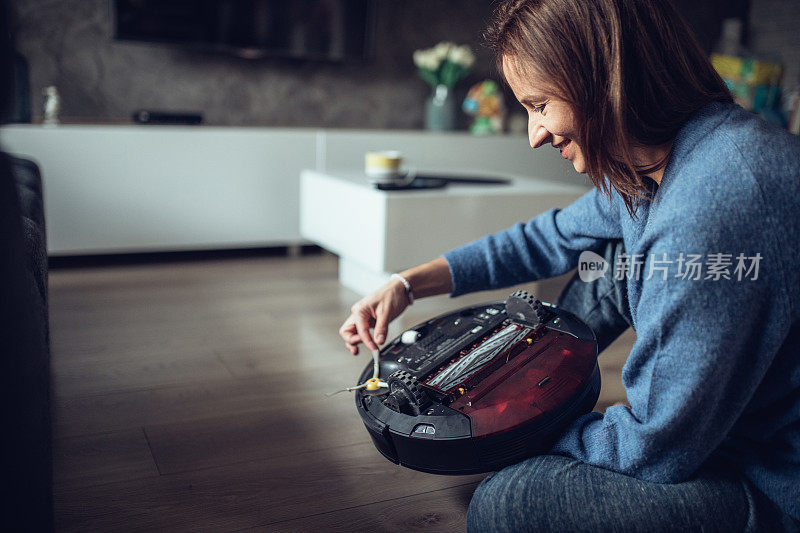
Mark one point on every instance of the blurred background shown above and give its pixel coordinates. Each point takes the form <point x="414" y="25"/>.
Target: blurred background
<point x="195" y="213"/>
<point x="72" y="44"/>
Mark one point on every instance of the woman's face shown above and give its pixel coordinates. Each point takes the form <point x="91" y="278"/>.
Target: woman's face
<point x="550" y="120"/>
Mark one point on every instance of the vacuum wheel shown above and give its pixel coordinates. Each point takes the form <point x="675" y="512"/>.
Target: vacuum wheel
<point x="406" y="395"/>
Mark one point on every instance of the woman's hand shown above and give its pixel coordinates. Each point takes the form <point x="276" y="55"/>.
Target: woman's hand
<point x="384" y="305"/>
<point x="374" y="310"/>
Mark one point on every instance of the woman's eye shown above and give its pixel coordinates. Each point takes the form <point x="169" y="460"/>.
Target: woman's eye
<point x="539" y="108"/>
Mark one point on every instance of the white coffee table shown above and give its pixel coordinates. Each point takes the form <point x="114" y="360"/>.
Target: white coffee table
<point x="375" y="232"/>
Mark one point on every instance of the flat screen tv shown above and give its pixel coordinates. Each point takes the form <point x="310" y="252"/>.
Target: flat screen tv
<point x="328" y="30"/>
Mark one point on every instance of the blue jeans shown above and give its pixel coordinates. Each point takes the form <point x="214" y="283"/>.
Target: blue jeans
<point x="555" y="493"/>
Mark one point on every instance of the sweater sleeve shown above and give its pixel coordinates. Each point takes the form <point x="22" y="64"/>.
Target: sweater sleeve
<point x="546" y="246"/>
<point x="703" y="346"/>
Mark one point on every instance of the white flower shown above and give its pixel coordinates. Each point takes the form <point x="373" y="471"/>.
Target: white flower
<point x="430" y="61"/>
<point x="442" y="50"/>
<point x="462" y="55"/>
<point x="426" y="59"/>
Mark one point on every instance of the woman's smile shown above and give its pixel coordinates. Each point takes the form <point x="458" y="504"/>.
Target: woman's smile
<point x="562" y="147"/>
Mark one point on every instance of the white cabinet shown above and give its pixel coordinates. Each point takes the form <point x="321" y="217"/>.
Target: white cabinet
<point x="128" y="188"/>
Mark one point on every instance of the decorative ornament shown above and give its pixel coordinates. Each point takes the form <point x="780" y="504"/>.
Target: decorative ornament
<point x="484" y="101"/>
<point x="52" y="105"/>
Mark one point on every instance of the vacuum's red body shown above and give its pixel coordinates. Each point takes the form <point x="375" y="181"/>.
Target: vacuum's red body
<point x="483" y="387"/>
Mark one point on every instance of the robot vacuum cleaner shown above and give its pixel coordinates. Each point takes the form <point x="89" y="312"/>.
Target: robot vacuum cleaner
<point x="480" y="388"/>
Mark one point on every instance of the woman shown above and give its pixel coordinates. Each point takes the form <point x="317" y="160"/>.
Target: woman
<point x="696" y="199"/>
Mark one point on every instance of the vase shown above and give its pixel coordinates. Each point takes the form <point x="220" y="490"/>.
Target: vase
<point x="440" y="110"/>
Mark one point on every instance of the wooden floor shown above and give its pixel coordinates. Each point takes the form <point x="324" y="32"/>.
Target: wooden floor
<point x="190" y="395"/>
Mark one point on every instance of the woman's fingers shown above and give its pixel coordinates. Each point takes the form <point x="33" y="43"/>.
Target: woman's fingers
<point x="381" y="325"/>
<point x="350" y="336"/>
<point x="348" y="329"/>
<point x="362" y="326"/>
<point x="378" y="310"/>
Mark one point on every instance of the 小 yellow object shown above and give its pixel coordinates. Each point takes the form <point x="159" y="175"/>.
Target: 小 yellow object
<point x="747" y="70"/>
<point x="384" y="160"/>
<point x="372" y="384"/>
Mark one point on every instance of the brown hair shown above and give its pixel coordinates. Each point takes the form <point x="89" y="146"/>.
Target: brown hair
<point x="631" y="70"/>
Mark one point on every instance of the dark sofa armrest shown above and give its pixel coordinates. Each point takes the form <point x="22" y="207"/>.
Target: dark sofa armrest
<point x="26" y="502"/>
<point x="28" y="180"/>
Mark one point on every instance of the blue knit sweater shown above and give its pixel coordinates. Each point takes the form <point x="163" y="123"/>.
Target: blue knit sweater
<point x="716" y="363"/>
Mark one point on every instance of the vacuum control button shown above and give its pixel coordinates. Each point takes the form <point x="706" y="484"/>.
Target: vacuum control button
<point x="409" y="337"/>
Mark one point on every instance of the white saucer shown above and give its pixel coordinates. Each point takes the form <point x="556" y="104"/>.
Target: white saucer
<point x="400" y="180"/>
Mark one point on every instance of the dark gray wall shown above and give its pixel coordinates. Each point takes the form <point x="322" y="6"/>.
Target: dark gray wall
<point x="775" y="32"/>
<point x="68" y="44"/>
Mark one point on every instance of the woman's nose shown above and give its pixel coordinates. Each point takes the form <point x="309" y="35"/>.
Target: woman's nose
<point x="538" y="136"/>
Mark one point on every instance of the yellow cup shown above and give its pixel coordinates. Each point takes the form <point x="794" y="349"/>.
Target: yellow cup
<point x="383" y="166"/>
